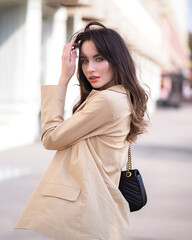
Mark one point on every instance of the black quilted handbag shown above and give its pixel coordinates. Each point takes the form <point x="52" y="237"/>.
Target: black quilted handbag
<point x="132" y="187"/>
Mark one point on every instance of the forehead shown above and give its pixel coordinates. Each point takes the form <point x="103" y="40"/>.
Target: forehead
<point x="88" y="48"/>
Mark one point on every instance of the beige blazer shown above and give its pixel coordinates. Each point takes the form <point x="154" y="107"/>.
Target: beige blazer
<point x="78" y="196"/>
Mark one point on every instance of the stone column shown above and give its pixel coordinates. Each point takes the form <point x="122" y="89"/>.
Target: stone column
<point x="54" y="47"/>
<point x="32" y="68"/>
<point x="33" y="26"/>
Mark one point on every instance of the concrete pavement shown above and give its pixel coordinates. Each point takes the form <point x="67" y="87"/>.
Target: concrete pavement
<point x="164" y="158"/>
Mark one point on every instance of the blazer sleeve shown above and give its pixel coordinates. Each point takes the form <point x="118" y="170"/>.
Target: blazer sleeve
<point x="58" y="134"/>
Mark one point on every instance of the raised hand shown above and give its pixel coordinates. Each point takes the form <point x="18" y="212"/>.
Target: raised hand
<point x="68" y="62"/>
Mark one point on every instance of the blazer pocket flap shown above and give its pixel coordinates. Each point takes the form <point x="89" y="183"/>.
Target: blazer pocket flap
<point x="61" y="191"/>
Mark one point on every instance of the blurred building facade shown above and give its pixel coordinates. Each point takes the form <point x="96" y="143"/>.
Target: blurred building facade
<point x="32" y="35"/>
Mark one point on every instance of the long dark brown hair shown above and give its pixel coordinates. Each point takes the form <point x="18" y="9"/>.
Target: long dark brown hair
<point x="111" y="46"/>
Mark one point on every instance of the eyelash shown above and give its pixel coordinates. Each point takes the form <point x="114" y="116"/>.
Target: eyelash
<point x="100" y="59"/>
<point x="84" y="60"/>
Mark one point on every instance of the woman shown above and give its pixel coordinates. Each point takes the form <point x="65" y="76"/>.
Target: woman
<point x="78" y="196"/>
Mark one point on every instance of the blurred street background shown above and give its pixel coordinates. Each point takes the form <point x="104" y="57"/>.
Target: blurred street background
<point x="159" y="33"/>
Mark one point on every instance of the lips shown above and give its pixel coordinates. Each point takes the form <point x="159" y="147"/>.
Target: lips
<point x="93" y="78"/>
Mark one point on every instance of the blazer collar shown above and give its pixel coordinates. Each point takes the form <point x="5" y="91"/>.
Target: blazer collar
<point x="115" y="88"/>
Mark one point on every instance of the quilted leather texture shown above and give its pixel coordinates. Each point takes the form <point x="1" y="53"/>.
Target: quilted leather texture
<point x="133" y="190"/>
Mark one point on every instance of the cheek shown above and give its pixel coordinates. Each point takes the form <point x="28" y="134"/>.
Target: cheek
<point x="109" y="71"/>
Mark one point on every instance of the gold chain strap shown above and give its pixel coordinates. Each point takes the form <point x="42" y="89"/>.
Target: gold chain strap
<point x="129" y="163"/>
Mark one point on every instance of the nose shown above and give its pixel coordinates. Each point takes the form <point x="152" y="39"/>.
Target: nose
<point x="91" y="66"/>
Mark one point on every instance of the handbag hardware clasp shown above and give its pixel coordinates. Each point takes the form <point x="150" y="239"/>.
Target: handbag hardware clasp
<point x="128" y="174"/>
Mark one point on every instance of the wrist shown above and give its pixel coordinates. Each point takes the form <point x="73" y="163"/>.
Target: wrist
<point x="63" y="81"/>
<point x="62" y="84"/>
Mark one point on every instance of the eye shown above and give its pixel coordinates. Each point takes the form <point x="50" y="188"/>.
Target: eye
<point x="84" y="60"/>
<point x="99" y="59"/>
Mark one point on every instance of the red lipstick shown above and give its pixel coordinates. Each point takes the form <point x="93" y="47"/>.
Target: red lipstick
<point x="93" y="78"/>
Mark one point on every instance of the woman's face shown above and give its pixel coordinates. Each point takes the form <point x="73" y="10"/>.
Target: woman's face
<point x="96" y="69"/>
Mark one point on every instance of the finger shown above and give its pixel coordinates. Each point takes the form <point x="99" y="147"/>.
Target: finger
<point x="73" y="55"/>
<point x="72" y="41"/>
<point x="69" y="47"/>
<point x="67" y="52"/>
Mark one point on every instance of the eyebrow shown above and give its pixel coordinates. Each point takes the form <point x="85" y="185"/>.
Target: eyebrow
<point x="96" y="55"/>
